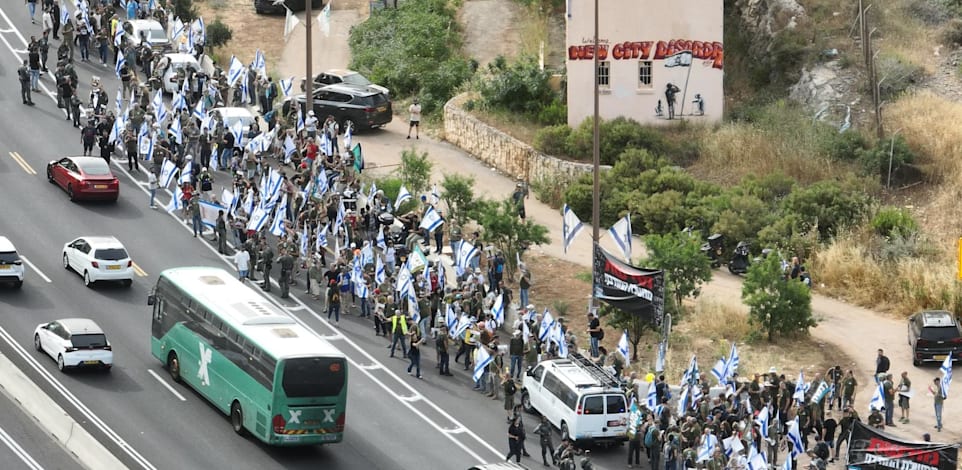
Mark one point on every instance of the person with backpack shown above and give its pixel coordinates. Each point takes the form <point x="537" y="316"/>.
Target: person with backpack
<point x="544" y="432"/>
<point x="653" y="444"/>
<point x="635" y="434"/>
<point x="88" y="136"/>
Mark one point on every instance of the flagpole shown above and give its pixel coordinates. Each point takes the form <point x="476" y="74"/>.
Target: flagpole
<point x="309" y="81"/>
<point x="596" y="169"/>
<point x="684" y="93"/>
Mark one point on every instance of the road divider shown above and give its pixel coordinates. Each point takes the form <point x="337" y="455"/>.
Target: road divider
<point x="23" y="163"/>
<point x="52" y="418"/>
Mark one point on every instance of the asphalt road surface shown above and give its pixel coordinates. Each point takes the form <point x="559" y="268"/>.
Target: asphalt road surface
<point x="24" y="445"/>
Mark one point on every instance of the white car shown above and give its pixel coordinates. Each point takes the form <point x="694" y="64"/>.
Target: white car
<point x="99" y="259"/>
<point x="151" y="30"/>
<point x="230" y="116"/>
<point x="172" y="66"/>
<point x="74" y="343"/>
<point x="11" y="267"/>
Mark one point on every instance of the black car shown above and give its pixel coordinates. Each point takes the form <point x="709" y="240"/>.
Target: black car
<point x="933" y="335"/>
<point x="361" y="107"/>
<point x="270" y="6"/>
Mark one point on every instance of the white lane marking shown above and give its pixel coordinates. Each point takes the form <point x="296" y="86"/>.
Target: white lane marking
<point x="166" y="385"/>
<point x="17" y="52"/>
<point x="70" y="397"/>
<point x="370" y="366"/>
<point x="414" y="398"/>
<point x="35" y="269"/>
<point x="334" y="336"/>
<point x="295" y="309"/>
<point x="23" y="454"/>
<point x="458" y="430"/>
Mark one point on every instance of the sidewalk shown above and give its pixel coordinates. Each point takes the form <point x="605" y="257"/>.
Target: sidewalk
<point x="858" y="332"/>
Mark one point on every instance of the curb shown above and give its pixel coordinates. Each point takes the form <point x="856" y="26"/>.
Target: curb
<point x="82" y="446"/>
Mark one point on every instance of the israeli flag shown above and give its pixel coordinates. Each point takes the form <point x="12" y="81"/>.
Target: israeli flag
<point x="763" y="421"/>
<point x="463" y="323"/>
<point x="481" y="361"/>
<point x="176" y="131"/>
<point x="348" y="136"/>
<point x="115" y="131"/>
<point x="176" y="28"/>
<point x="621" y="234"/>
<point x="321" y="239"/>
<point x="238" y="131"/>
<point x="432" y="220"/>
<point x="651" y="400"/>
<point x="372" y="192"/>
<point x="707" y="447"/>
<point x="559" y="338"/>
<point x="186" y="172"/>
<point x="525" y="333"/>
<point x="64" y="13"/>
<point x="946" y="370"/>
<point x="466" y="251"/>
<point x="878" y="398"/>
<point x="733" y="445"/>
<point x="321" y="182"/>
<point x="289" y="149"/>
<point x="787" y="465"/>
<point x="228" y="199"/>
<point x="800" y="388"/>
<point x="403" y="279"/>
<point x="380" y="274"/>
<point x="245" y="87"/>
<point x="339" y="218"/>
<point x="161" y="112"/>
<point x="570" y="226"/>
<point x="732" y="364"/>
<point x="381" y="242"/>
<point x="248" y="205"/>
<point x="436" y="195"/>
<point x="624" y="347"/>
<point x="300" y="121"/>
<point x="260" y="63"/>
<point x="795" y="438"/>
<point x="402" y="195"/>
<point x="758" y="462"/>
<point x="235" y="71"/>
<point x="287" y="85"/>
<point x="175" y="203"/>
<point x="498" y="309"/>
<point x="199" y="113"/>
<point x="258" y="219"/>
<point x="201" y="28"/>
<point x="305" y="239"/>
<point x="547" y="323"/>
<point x="325" y="145"/>
<point x="719" y="370"/>
<point x="147" y="148"/>
<point x="691" y="373"/>
<point x="277" y="226"/>
<point x="120" y="61"/>
<point x="118" y="39"/>
<point x="167" y="170"/>
<point x="442" y="281"/>
<point x="178" y="101"/>
<point x="683" y="400"/>
<point x="119" y="101"/>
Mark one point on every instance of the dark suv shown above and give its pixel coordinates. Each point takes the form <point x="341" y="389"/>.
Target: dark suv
<point x="363" y="107"/>
<point x="933" y="335"/>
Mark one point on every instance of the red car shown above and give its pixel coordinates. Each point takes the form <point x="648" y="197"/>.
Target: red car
<point x="84" y="178"/>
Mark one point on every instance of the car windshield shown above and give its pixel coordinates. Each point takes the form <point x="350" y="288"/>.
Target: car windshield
<point x="356" y="79"/>
<point x="95" y="167"/>
<point x="7" y="257"/>
<point x="940" y="333"/>
<point x="245" y="121"/>
<point x="156" y="35"/>
<point x="89" y="341"/>
<point x="111" y="254"/>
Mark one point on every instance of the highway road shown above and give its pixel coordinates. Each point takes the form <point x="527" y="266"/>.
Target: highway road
<point x="25" y="446"/>
<point x="393" y="421"/>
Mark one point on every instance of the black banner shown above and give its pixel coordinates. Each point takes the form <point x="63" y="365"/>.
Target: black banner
<point x="631" y="289"/>
<point x="871" y="449"/>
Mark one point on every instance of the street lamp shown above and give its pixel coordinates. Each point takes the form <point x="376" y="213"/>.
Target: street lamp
<point x="596" y="169"/>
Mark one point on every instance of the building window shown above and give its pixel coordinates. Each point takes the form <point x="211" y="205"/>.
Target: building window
<point x="604" y="74"/>
<point x="644" y="74"/>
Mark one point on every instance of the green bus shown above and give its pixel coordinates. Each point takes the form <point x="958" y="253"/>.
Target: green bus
<point x="276" y="379"/>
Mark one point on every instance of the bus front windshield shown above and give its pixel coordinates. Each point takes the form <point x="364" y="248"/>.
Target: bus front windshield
<point x="313" y="377"/>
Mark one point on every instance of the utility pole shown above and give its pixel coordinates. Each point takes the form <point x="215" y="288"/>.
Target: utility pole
<point x="596" y="160"/>
<point x="309" y="81"/>
<point x="871" y="71"/>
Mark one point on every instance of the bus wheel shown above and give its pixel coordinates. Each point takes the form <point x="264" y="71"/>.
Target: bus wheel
<point x="173" y="366"/>
<point x="237" y="418"/>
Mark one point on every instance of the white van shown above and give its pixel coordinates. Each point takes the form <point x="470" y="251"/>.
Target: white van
<point x="11" y="266"/>
<point x="578" y="397"/>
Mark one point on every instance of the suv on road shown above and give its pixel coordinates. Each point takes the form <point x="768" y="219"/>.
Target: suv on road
<point x="361" y="107"/>
<point x="579" y="397"/>
<point x="11" y="267"/>
<point x="933" y="335"/>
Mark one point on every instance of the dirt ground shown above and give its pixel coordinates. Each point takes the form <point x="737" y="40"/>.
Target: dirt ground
<point x="490" y="29"/>
<point x="707" y="331"/>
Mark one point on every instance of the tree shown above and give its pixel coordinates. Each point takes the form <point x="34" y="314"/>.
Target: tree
<point x="636" y="325"/>
<point x="415" y="171"/>
<point x="458" y="193"/>
<point x="776" y="305"/>
<point x="218" y="33"/>
<point x="505" y="230"/>
<point x="184" y="9"/>
<point x="679" y="256"/>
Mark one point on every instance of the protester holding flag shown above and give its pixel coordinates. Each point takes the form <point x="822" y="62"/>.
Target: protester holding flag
<point x="938" y="398"/>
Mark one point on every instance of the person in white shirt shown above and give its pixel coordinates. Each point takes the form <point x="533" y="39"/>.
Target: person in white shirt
<point x="310" y="125"/>
<point x="243" y="261"/>
<point x="415" y="120"/>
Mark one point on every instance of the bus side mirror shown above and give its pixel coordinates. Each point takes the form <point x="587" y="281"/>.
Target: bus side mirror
<point x="151" y="299"/>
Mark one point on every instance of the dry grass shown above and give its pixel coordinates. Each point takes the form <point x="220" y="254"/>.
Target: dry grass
<point x="250" y="31"/>
<point x="513" y="124"/>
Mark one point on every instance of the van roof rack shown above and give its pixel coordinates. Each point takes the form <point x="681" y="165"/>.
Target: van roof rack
<point x="594" y="370"/>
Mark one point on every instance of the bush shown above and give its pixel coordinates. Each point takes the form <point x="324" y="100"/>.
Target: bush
<point x="553" y="114"/>
<point x="899" y="75"/>
<point x="952" y="33"/>
<point x="184" y="9"/>
<point x="520" y="87"/>
<point x="617" y="135"/>
<point x="894" y="221"/>
<point x="413" y="50"/>
<point x="931" y="12"/>
<point x="827" y="206"/>
<point x="551" y="190"/>
<point x="553" y="140"/>
<point x="218" y="33"/>
<point x="875" y="161"/>
<point x="845" y="146"/>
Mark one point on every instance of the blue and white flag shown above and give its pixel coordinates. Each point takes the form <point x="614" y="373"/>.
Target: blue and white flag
<point x="800" y="388"/>
<point x="199" y="110"/>
<point x="690" y="376"/>
<point x="227" y="198"/>
<point x="321" y="239"/>
<point x="305" y="241"/>
<point x="161" y="112"/>
<point x="201" y="29"/>
<point x="324" y="19"/>
<point x="167" y="170"/>
<point x="289" y="149"/>
<point x="707" y="447"/>
<point x="176" y="131"/>
<point x="763" y="421"/>
<point x="683" y="401"/>
<point x="436" y="199"/>
<point x="497" y="310"/>
<point x="120" y="62"/>
<point x="380" y="241"/>
<point x="64" y="13"/>
<point x="380" y="274"/>
<point x="547" y="323"/>
<point x="559" y="339"/>
<point x="431" y="220"/>
<point x="481" y="361"/>
<point x="570" y="226"/>
<point x="115" y="131"/>
<point x="946" y="370"/>
<point x="795" y="438"/>
<point x="621" y="234"/>
<point x="119" y="102"/>
<point x="248" y="204"/>
<point x="287" y="85"/>
<point x="348" y="136"/>
<point x="720" y="370"/>
<point x="178" y="102"/>
<point x="624" y="347"/>
<point x="402" y="195"/>
<point x="245" y="87"/>
<point x="878" y="398"/>
<point x="260" y="63"/>
<point x="732" y="445"/>
<point x="757" y="462"/>
<point x="732" y="363"/>
<point x="325" y="145"/>
<point x="278" y="225"/>
<point x="146" y="145"/>
<point x="300" y="120"/>
<point x="466" y="252"/>
<point x="175" y="202"/>
<point x="651" y="400"/>
<point x="414" y="311"/>
<point x="118" y="39"/>
<point x="321" y="182"/>
<point x="235" y="71"/>
<point x="238" y="131"/>
<point x="372" y="191"/>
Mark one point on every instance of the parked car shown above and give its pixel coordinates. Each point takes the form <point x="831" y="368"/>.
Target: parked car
<point x="278" y="6"/>
<point x="11" y="267"/>
<point x="173" y="66"/>
<point x="74" y="343"/>
<point x="152" y="30"/>
<point x="230" y="116"/>
<point x="933" y="336"/>
<point x="99" y="259"/>
<point x="349" y="77"/>
<point x="360" y="107"/>
<point x="84" y="178"/>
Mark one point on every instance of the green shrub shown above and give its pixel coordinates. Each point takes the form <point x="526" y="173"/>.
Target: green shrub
<point x="184" y="9"/>
<point x="899" y="75"/>
<point x="952" y="33"/>
<point x="892" y="221"/>
<point x="827" y="206"/>
<point x="930" y="12"/>
<point x="553" y="114"/>
<point x="617" y="135"/>
<point x="550" y="190"/>
<point x="413" y="50"/>
<point x="845" y="146"/>
<point x="875" y="161"/>
<point x="520" y="86"/>
<point x="553" y="140"/>
<point x="218" y="33"/>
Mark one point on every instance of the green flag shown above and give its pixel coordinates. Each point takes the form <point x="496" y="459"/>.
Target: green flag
<point x="358" y="157"/>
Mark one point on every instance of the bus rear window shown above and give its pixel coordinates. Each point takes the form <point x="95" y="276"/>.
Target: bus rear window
<point x="313" y="377"/>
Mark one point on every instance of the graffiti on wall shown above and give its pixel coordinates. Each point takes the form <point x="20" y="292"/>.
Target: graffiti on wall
<point x="709" y="51"/>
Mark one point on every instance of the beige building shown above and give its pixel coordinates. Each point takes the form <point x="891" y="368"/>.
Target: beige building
<point x="644" y="47"/>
